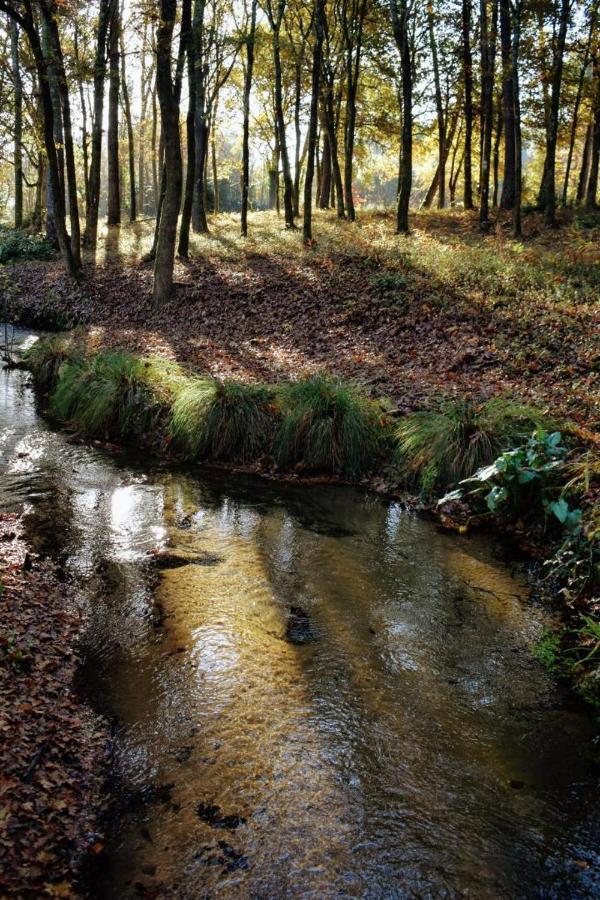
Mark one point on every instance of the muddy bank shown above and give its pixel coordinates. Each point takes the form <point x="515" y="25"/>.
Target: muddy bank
<point x="54" y="754"/>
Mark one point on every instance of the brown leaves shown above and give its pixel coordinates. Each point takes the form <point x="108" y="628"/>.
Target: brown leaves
<point x="52" y="747"/>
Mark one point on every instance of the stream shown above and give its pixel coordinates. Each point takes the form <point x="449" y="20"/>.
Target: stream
<point x="317" y="693"/>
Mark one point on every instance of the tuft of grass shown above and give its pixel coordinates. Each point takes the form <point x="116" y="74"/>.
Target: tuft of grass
<point x="45" y="358"/>
<point x="436" y="449"/>
<point x="226" y="420"/>
<point x="328" y="425"/>
<point x="109" y="394"/>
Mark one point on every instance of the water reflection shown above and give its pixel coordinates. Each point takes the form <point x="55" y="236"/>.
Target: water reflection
<point x="410" y="747"/>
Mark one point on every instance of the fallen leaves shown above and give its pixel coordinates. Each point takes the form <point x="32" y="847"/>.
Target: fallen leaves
<point x="53" y="748"/>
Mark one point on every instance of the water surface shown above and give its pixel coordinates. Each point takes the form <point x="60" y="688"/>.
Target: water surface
<point x="331" y="698"/>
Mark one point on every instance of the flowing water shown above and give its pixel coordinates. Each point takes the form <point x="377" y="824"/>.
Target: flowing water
<point x="317" y="693"/>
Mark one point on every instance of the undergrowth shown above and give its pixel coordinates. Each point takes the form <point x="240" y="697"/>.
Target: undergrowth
<point x="435" y="449"/>
<point x="17" y="245"/>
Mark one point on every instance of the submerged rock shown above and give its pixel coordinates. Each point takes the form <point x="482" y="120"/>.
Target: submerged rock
<point x="213" y="816"/>
<point x="299" y="629"/>
<point x="178" y="560"/>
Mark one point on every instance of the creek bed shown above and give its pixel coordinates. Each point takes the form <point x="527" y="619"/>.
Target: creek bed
<point x="318" y="694"/>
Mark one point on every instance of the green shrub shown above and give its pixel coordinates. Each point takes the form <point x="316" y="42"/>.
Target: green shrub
<point x="16" y="244"/>
<point x="523" y="480"/>
<point x="328" y="425"/>
<point x="439" y="448"/>
<point x="223" y="420"/>
<point x="109" y="394"/>
<point x="389" y="288"/>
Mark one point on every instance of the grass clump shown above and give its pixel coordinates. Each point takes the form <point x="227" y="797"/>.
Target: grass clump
<point x="328" y="425"/>
<point x="45" y="358"/>
<point x="438" y="448"/>
<point x="226" y="420"/>
<point x="108" y="394"/>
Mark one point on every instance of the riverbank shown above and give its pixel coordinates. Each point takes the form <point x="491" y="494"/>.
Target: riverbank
<point x="54" y="754"/>
<point x="443" y="311"/>
<point x="535" y="484"/>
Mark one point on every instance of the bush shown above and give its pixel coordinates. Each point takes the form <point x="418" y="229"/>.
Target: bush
<point x="439" y="448"/>
<point x="110" y="394"/>
<point x="328" y="425"/>
<point x="16" y="244"/>
<point x="389" y="288"/>
<point x="223" y="420"/>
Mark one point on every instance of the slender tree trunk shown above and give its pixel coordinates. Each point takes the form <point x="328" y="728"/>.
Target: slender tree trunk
<point x="467" y="64"/>
<point x="297" y="132"/>
<point x="190" y="175"/>
<point x="400" y="25"/>
<point x="156" y="144"/>
<point x="433" y="187"/>
<point x="199" y="220"/>
<point x="129" y="123"/>
<point x="353" y="24"/>
<point x="288" y="185"/>
<point x="441" y="117"/>
<point x="592" y="185"/>
<point x="114" y="182"/>
<point x="337" y="184"/>
<point x="497" y="140"/>
<point x="516" y="50"/>
<point x="584" y="171"/>
<point x="169" y="112"/>
<point x="549" y="183"/>
<point x="508" y="107"/>
<point x="91" y="225"/>
<point x="488" y="42"/>
<point x="325" y="189"/>
<point x="578" y="98"/>
<point x="18" y="123"/>
<point x="319" y="29"/>
<point x="246" y="129"/>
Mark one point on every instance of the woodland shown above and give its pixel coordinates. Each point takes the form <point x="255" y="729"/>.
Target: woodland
<point x="321" y="241"/>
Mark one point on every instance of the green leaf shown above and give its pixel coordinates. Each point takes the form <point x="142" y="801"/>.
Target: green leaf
<point x="560" y="508"/>
<point x="496" y="497"/>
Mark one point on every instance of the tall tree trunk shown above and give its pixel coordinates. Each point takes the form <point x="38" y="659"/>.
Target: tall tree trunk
<point x="578" y="99"/>
<point x="50" y="13"/>
<point x="18" y="123"/>
<point x="246" y="130"/>
<point x="190" y="175"/>
<point x="199" y="220"/>
<point x="169" y="113"/>
<point x="91" y="225"/>
<point x="84" y="128"/>
<point x="592" y="185"/>
<point x="467" y="65"/>
<point x="297" y="133"/>
<point x="337" y="184"/>
<point x="319" y="29"/>
<point x="129" y="123"/>
<point x="433" y="187"/>
<point x="516" y="49"/>
<point x="114" y="181"/>
<point x="488" y="25"/>
<point x="549" y="183"/>
<point x="156" y="144"/>
<point x="325" y="191"/>
<point x="496" y="155"/>
<point x="353" y="25"/>
<point x="52" y="78"/>
<point x="440" y="113"/>
<point x="507" y="200"/>
<point x="275" y="19"/>
<point x="584" y="171"/>
<point x="400" y="26"/>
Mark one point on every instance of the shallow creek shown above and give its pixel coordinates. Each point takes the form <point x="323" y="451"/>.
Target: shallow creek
<point x="330" y="698"/>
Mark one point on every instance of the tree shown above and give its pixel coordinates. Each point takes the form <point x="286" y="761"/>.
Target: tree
<point x="18" y="123"/>
<point x="400" y="15"/>
<point x="319" y="35"/>
<point x="548" y="191"/>
<point x="169" y="114"/>
<point x="249" y="41"/>
<point x="114" y="170"/>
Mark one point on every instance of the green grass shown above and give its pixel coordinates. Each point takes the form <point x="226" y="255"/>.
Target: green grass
<point x="328" y="425"/>
<point x="436" y="449"/>
<point x="107" y="395"/>
<point x="227" y="420"/>
<point x="46" y="356"/>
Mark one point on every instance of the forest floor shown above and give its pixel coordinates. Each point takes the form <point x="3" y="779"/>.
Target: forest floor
<point x="53" y="747"/>
<point x="442" y="311"/>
